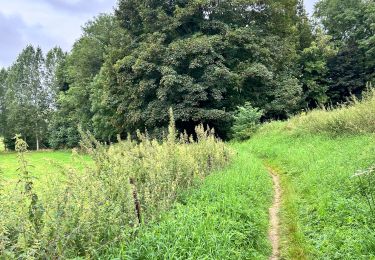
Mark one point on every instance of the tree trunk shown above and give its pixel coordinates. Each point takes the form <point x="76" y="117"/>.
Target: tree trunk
<point x="37" y="143"/>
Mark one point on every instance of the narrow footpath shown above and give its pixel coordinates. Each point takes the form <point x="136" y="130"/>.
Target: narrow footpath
<point x="273" y="232"/>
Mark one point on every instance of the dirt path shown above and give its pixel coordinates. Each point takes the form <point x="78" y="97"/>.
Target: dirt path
<point x="273" y="232"/>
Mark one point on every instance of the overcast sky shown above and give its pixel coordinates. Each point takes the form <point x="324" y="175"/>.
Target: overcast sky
<point x="49" y="23"/>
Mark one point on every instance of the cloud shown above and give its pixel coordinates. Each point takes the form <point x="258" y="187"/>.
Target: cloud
<point x="16" y="34"/>
<point x="44" y="23"/>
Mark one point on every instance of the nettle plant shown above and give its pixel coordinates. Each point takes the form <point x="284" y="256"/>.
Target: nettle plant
<point x="366" y="185"/>
<point x="84" y="213"/>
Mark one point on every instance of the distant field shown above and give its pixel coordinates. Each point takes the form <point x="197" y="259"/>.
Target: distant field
<point x="41" y="163"/>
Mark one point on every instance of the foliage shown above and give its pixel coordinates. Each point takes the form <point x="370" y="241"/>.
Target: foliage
<point x="3" y="77"/>
<point x="315" y="71"/>
<point x="226" y="218"/>
<point x="29" y="91"/>
<point x="323" y="215"/>
<point x="86" y="212"/>
<point x="75" y="78"/>
<point x="352" y="27"/>
<point x="199" y="57"/>
<point x="246" y="121"/>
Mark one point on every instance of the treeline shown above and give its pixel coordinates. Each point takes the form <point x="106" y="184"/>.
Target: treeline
<point x="202" y="58"/>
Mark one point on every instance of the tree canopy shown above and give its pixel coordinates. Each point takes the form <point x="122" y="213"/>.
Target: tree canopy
<point x="201" y="58"/>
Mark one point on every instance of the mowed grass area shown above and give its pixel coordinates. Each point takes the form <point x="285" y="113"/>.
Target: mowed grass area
<point x="324" y="216"/>
<point x="224" y="218"/>
<point x="41" y="163"/>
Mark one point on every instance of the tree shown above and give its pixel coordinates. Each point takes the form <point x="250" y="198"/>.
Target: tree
<point x="314" y="69"/>
<point x="29" y="96"/>
<point x="3" y="77"/>
<point x="351" y="23"/>
<point x="203" y="58"/>
<point x="54" y="59"/>
<point x="75" y="78"/>
<point x="246" y="121"/>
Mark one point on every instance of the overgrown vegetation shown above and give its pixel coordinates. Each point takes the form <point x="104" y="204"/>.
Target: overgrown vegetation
<point x="89" y="211"/>
<point x="356" y="117"/>
<point x="226" y="218"/>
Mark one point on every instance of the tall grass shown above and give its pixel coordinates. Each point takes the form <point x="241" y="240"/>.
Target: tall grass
<point x="358" y="116"/>
<point x="323" y="215"/>
<point x="89" y="211"/>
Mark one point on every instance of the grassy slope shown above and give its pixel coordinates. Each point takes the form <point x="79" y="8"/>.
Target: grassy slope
<point x="225" y="218"/>
<point x="324" y="217"/>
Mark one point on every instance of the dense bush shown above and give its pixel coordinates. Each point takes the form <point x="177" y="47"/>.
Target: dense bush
<point x="85" y="212"/>
<point x="246" y="121"/>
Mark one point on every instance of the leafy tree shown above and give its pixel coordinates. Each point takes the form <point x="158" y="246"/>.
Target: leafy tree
<point x="3" y="77"/>
<point x="351" y="23"/>
<point x="30" y="96"/>
<point x="53" y="60"/>
<point x="26" y="98"/>
<point x="75" y="77"/>
<point x="315" y="72"/>
<point x="202" y="58"/>
<point x="304" y="27"/>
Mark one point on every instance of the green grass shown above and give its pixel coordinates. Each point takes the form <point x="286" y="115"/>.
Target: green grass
<point x="42" y="163"/>
<point x="225" y="218"/>
<point x="323" y="214"/>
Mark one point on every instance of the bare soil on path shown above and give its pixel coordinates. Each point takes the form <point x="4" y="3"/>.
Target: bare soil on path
<point x="273" y="232"/>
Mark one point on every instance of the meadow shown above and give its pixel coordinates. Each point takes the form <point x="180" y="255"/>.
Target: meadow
<point x="41" y="163"/>
<point x="189" y="199"/>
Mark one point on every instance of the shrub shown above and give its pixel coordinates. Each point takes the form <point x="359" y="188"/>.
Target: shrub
<point x="86" y="212"/>
<point x="246" y="121"/>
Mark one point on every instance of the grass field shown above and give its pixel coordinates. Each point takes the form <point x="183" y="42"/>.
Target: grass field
<point x="323" y="214"/>
<point x="41" y="163"/>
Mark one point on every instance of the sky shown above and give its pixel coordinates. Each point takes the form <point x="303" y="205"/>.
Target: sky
<point x="44" y="23"/>
<point x="49" y="23"/>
